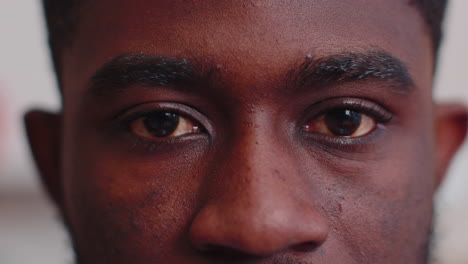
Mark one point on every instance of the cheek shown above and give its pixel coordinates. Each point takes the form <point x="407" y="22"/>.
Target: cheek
<point x="127" y="204"/>
<point x="382" y="209"/>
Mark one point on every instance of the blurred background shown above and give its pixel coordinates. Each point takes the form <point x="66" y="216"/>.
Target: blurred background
<point x="30" y="230"/>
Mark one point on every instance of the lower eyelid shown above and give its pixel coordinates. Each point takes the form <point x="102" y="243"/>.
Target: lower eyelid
<point x="338" y="146"/>
<point x="144" y="147"/>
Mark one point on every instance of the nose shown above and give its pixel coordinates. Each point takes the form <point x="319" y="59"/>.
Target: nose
<point x="258" y="203"/>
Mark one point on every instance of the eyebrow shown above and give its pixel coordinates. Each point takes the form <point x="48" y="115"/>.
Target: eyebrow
<point x="373" y="65"/>
<point x="126" y="70"/>
<point x="148" y="71"/>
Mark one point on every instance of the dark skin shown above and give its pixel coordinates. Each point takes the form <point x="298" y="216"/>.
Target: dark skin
<point x="280" y="152"/>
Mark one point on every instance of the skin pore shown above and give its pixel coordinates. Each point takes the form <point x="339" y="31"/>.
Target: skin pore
<point x="247" y="132"/>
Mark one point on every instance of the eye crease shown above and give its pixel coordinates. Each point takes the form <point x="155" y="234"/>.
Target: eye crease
<point x="163" y="124"/>
<point x="342" y="123"/>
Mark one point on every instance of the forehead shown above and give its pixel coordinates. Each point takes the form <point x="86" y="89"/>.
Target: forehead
<point x="251" y="37"/>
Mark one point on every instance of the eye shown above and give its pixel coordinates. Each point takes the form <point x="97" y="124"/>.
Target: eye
<point x="163" y="124"/>
<point x="342" y="123"/>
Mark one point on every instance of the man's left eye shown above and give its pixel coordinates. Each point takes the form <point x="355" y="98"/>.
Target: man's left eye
<point x="342" y="123"/>
<point x="162" y="124"/>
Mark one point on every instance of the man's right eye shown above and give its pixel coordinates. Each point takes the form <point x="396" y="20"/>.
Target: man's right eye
<point x="162" y="124"/>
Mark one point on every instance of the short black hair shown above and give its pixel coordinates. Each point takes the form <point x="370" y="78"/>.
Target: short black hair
<point x="62" y="16"/>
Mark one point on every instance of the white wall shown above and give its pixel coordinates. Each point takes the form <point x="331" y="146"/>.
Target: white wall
<point x="452" y="85"/>
<point x="29" y="229"/>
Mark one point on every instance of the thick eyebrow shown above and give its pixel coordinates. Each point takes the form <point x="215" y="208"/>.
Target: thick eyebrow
<point x="374" y="65"/>
<point x="152" y="71"/>
<point x="129" y="69"/>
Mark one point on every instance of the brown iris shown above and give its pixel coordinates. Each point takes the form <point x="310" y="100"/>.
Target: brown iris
<point x="161" y="124"/>
<point x="342" y="123"/>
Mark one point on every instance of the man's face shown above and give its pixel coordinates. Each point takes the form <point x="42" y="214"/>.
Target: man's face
<point x="248" y="132"/>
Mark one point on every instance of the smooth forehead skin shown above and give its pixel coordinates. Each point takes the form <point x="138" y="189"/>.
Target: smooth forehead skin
<point x="247" y="33"/>
<point x="255" y="190"/>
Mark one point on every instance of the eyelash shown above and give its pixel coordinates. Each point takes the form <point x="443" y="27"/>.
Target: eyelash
<point x="364" y="106"/>
<point x="382" y="116"/>
<point x="380" y="113"/>
<point x="126" y="117"/>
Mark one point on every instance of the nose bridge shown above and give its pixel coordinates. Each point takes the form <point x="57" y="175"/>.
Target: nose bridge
<point x="258" y="206"/>
<point x="257" y="161"/>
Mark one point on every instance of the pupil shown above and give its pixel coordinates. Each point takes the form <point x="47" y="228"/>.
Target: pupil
<point x="343" y="122"/>
<point x="161" y="124"/>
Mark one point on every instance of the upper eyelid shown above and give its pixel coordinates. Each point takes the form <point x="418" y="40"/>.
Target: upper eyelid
<point x="135" y="110"/>
<point x="137" y="115"/>
<point x="145" y="114"/>
<point x="374" y="109"/>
